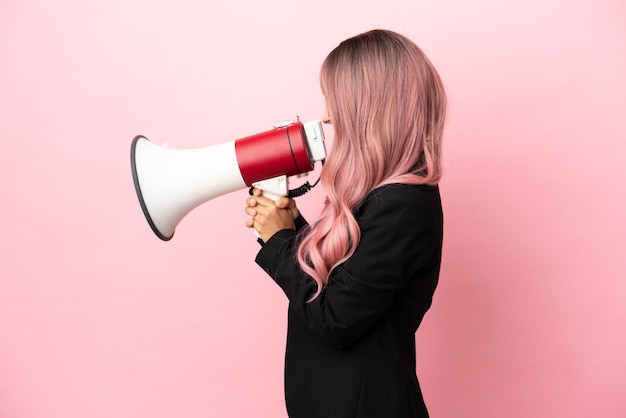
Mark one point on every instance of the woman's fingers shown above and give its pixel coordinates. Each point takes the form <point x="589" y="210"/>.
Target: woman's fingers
<point x="268" y="216"/>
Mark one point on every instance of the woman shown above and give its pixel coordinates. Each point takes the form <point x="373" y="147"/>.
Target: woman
<point x="360" y="279"/>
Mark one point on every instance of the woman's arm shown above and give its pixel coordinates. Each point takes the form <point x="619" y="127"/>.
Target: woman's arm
<point x="399" y="236"/>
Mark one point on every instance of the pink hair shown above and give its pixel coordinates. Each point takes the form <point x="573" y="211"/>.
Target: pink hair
<point x="387" y="105"/>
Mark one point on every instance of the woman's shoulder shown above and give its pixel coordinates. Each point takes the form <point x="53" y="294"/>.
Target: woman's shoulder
<point x="403" y="218"/>
<point x="400" y="195"/>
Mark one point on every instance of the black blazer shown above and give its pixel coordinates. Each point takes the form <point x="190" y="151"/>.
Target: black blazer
<point x="351" y="352"/>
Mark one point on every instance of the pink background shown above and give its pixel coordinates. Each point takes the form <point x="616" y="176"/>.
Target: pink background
<point x="100" y="319"/>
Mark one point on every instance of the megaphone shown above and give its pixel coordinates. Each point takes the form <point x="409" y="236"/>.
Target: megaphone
<point x="172" y="182"/>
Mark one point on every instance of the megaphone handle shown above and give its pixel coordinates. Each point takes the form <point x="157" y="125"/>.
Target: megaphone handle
<point x="273" y="188"/>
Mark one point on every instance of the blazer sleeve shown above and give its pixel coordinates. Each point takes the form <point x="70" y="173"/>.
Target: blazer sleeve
<point x="300" y="222"/>
<point x="395" y="233"/>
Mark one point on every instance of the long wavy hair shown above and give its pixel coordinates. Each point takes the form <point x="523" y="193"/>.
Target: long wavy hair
<point x="387" y="106"/>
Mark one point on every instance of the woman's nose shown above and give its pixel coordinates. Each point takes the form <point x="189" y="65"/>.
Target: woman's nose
<point x="326" y="116"/>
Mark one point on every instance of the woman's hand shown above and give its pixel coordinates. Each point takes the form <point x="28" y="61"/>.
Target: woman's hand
<point x="269" y="216"/>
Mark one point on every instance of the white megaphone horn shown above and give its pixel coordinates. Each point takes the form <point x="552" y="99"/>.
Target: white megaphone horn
<point x="171" y="182"/>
